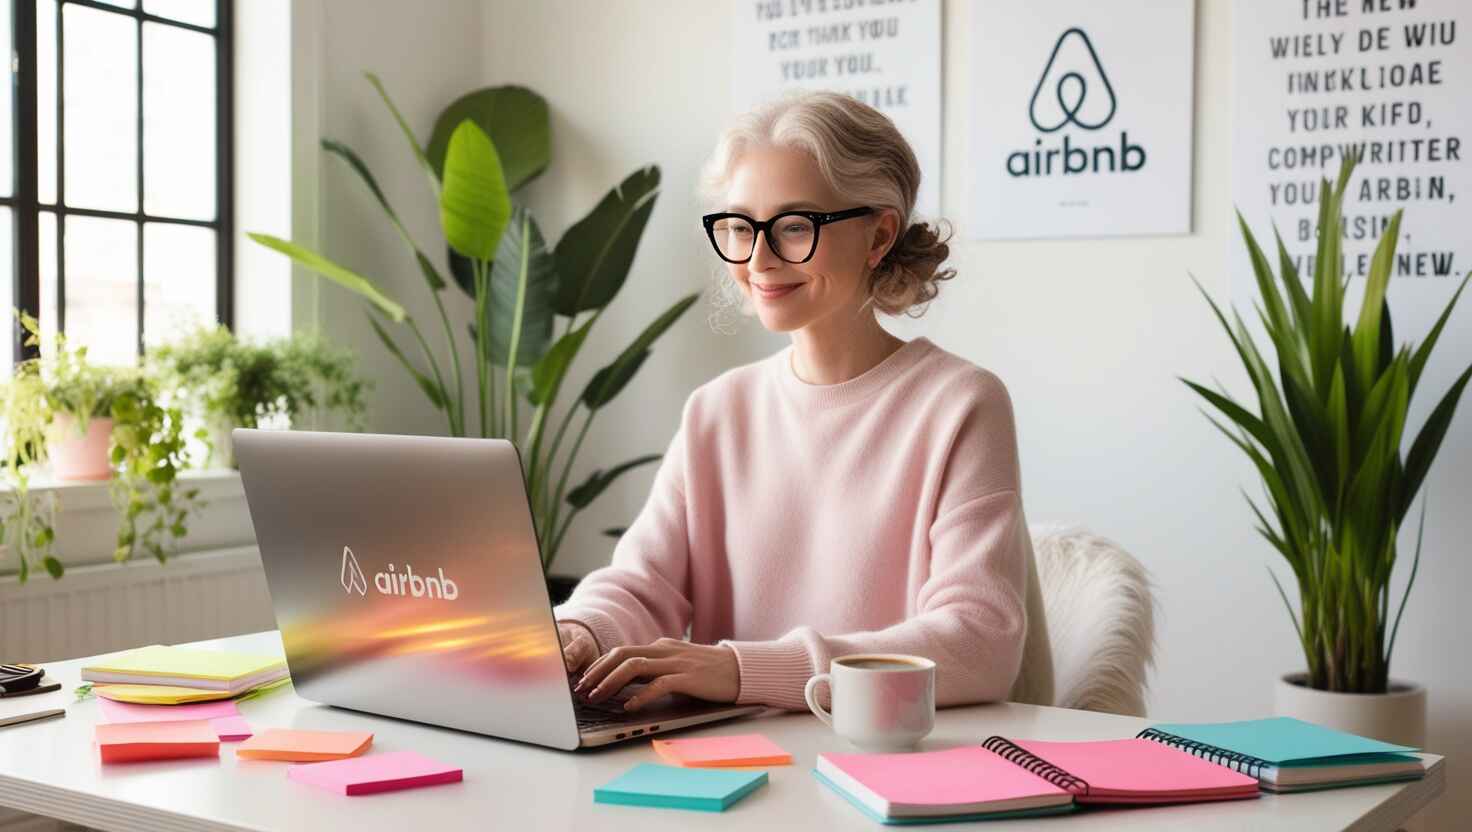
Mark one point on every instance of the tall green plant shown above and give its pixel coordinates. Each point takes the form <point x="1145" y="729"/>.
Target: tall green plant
<point x="1326" y="435"/>
<point x="484" y="147"/>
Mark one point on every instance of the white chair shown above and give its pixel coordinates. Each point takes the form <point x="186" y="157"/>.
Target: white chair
<point x="1101" y="619"/>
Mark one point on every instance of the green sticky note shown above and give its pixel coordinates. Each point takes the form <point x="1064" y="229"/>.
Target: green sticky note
<point x="1283" y="741"/>
<point x="677" y="787"/>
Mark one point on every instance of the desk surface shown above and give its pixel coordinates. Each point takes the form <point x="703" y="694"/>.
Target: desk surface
<point x="51" y="768"/>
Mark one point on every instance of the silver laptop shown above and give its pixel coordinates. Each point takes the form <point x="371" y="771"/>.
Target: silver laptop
<point x="407" y="581"/>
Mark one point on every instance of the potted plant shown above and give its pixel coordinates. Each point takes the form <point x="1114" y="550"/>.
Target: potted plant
<point x="59" y="405"/>
<point x="227" y="382"/>
<point x="1325" y="435"/>
<point x="519" y="290"/>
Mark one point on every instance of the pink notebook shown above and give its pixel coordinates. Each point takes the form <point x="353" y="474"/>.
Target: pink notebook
<point x="373" y="773"/>
<point x="959" y="781"/>
<point x="1125" y="771"/>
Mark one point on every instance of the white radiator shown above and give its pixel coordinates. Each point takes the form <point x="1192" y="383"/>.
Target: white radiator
<point x="114" y="606"/>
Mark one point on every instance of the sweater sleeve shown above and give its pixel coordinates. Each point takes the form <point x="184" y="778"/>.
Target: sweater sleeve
<point x="643" y="594"/>
<point x="971" y="615"/>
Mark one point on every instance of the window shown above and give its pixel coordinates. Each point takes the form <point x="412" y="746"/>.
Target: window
<point x="115" y="182"/>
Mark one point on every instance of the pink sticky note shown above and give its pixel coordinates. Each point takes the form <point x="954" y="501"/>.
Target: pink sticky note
<point x="375" y="773"/>
<point x="736" y="750"/>
<point x="231" y="728"/>
<point x="133" y="712"/>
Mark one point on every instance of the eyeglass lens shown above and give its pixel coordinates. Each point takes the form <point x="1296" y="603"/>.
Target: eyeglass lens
<point x="791" y="237"/>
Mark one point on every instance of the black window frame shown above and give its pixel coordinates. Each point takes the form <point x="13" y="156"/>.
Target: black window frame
<point x="25" y="203"/>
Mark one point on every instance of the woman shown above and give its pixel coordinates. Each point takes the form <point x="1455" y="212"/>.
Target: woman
<point x="852" y="493"/>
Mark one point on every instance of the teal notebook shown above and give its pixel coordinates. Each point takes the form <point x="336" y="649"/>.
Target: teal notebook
<point x="888" y="821"/>
<point x="1288" y="754"/>
<point x="677" y="787"/>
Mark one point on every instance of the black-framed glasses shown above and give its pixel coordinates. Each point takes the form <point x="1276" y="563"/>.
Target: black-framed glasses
<point x="791" y="235"/>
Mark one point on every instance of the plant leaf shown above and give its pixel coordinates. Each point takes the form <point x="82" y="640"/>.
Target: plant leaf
<point x="431" y="275"/>
<point x="474" y="206"/>
<point x="522" y="258"/>
<point x="1428" y="441"/>
<point x="344" y="277"/>
<point x="594" y="255"/>
<point x="513" y="116"/>
<point x="611" y="380"/>
<point x="599" y="480"/>
<point x="431" y="390"/>
<point x="548" y="373"/>
<point x="429" y="170"/>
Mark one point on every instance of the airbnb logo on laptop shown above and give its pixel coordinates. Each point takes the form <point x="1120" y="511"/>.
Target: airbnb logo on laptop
<point x="394" y="582"/>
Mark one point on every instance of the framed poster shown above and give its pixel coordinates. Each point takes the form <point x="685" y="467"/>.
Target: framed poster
<point x="1080" y="118"/>
<point x="1384" y="78"/>
<point x="884" y="54"/>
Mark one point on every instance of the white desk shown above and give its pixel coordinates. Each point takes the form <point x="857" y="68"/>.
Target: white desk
<point x="51" y="768"/>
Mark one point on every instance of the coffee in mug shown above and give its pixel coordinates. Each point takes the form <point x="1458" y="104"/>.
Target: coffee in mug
<point x="881" y="701"/>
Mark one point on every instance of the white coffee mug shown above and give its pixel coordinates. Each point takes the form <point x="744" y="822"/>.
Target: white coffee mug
<point x="881" y="701"/>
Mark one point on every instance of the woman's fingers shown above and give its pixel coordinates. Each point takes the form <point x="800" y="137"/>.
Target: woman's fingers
<point x="578" y="652"/>
<point x="672" y="683"/>
<point x="629" y="670"/>
<point x="617" y="656"/>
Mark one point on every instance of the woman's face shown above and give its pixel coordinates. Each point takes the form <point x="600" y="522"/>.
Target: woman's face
<point x="768" y="181"/>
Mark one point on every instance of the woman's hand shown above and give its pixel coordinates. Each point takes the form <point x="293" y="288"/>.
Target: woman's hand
<point x="579" y="647"/>
<point x="705" y="671"/>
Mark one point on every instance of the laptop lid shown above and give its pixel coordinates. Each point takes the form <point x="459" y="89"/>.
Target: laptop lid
<point x="406" y="579"/>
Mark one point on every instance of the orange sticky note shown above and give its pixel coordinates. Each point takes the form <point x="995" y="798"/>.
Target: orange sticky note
<point x="718" y="752"/>
<point x="131" y="741"/>
<point x="304" y="746"/>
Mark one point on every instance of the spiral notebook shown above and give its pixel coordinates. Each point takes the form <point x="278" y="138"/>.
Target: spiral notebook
<point x="1287" y="754"/>
<point x="1008" y="778"/>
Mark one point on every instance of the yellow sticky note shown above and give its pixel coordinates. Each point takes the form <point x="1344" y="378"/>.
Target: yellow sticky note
<point x="158" y="694"/>
<point x="184" y="663"/>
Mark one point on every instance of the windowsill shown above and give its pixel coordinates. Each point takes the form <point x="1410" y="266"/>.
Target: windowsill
<point x="86" y="521"/>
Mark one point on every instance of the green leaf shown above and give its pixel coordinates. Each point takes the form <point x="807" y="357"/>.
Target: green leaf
<point x="431" y="390"/>
<point x="1428" y="441"/>
<point x="429" y="170"/>
<point x="521" y="255"/>
<point x="431" y="275"/>
<point x="474" y="206"/>
<point x="1366" y="337"/>
<point x="611" y="380"/>
<point x="594" y="255"/>
<point x="53" y="567"/>
<point x="514" y="117"/>
<point x="548" y="373"/>
<point x="599" y="480"/>
<point x="346" y="278"/>
<point x="1418" y="361"/>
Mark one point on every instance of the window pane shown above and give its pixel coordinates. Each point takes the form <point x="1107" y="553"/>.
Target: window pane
<point x="179" y="280"/>
<point x="179" y="122"/>
<point x="7" y="271"/>
<point x="102" y="288"/>
<point x="101" y="100"/>
<point x="7" y="113"/>
<point x="198" y="12"/>
<point x="46" y="100"/>
<point x="47" y="264"/>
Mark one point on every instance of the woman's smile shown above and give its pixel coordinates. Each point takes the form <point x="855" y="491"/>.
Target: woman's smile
<point x="772" y="291"/>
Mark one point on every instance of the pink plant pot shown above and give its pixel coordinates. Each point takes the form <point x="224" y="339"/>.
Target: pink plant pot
<point x="75" y="456"/>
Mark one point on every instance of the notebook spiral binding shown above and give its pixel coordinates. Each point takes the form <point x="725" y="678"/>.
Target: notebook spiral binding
<point x="1019" y="756"/>
<point x="1245" y="763"/>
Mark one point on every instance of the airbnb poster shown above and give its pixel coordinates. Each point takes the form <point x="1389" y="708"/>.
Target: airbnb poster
<point x="1080" y="119"/>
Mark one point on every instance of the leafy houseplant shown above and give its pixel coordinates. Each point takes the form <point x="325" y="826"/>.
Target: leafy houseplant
<point x="1327" y="444"/>
<point x="51" y="397"/>
<point x="229" y="382"/>
<point x="518" y="288"/>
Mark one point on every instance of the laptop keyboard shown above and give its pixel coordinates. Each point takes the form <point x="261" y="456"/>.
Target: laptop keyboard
<point x="610" y="712"/>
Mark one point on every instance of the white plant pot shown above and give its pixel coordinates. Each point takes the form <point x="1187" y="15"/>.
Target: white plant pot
<point x="1397" y="716"/>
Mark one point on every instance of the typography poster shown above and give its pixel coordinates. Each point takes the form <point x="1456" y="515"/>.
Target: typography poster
<point x="1080" y="118"/>
<point x="1316" y="80"/>
<point x="886" y="54"/>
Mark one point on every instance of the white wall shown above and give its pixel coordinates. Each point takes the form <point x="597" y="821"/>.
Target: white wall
<point x="1090" y="336"/>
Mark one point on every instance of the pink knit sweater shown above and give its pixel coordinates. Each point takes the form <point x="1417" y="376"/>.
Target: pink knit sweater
<point x="798" y="522"/>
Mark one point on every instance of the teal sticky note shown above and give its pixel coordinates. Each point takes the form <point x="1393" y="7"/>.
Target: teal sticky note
<point x="1284" y="741"/>
<point x="676" y="787"/>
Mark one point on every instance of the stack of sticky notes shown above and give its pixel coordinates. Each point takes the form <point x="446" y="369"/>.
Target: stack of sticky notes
<point x="201" y="674"/>
<point x="678" y="787"/>
<point x="375" y="773"/>
<point x="304" y="746"/>
<point x="135" y="741"/>
<point x="722" y="752"/>
<point x="223" y="717"/>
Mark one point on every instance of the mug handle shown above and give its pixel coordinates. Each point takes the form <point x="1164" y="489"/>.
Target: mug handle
<point x="807" y="693"/>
